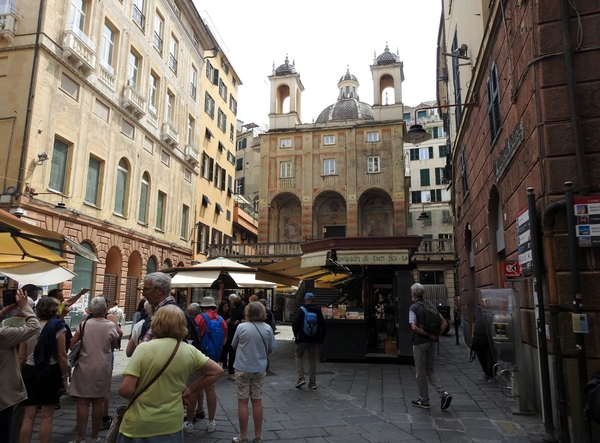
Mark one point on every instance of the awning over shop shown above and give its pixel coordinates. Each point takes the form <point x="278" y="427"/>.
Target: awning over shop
<point x="38" y="273"/>
<point x="14" y="230"/>
<point x="291" y="273"/>
<point x="248" y="280"/>
<point x="16" y="252"/>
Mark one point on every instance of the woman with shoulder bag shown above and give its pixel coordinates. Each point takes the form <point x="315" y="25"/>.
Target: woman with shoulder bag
<point x="155" y="409"/>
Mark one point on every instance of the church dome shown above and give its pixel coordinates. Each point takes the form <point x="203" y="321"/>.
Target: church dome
<point x="346" y="109"/>
<point x="348" y="76"/>
<point x="286" y="68"/>
<point x="387" y="58"/>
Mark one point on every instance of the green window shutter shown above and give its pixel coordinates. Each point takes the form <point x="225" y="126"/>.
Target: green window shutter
<point x="211" y="169"/>
<point x="160" y="206"/>
<point x="120" y="192"/>
<point x="425" y="177"/>
<point x="438" y="195"/>
<point x="244" y="143"/>
<point x="239" y="164"/>
<point x="430" y="152"/>
<point x="414" y="154"/>
<point x="93" y="178"/>
<point x="142" y="212"/>
<point x="409" y="220"/>
<point x="435" y="132"/>
<point x="58" y="168"/>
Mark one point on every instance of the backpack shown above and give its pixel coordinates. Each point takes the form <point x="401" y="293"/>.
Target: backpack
<point x="310" y="323"/>
<point x="591" y="395"/>
<point x="432" y="324"/>
<point x="212" y="341"/>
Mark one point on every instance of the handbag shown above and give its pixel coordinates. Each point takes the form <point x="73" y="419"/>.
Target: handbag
<point x="266" y="348"/>
<point x="73" y="357"/>
<point x="115" y="423"/>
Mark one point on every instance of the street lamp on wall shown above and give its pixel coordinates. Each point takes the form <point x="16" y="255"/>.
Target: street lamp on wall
<point x="416" y="134"/>
<point x="423" y="217"/>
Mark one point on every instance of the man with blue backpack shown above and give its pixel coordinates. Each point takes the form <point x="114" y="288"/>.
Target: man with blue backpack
<point x="309" y="333"/>
<point x="213" y="333"/>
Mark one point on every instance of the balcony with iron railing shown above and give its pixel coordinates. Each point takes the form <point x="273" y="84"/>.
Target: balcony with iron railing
<point x="158" y="42"/>
<point x="79" y="50"/>
<point x="138" y="17"/>
<point x="173" y="63"/>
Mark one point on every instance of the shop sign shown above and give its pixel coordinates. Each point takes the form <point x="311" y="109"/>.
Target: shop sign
<point x="587" y="221"/>
<point x="524" y="240"/>
<point x="511" y="270"/>
<point x="511" y="145"/>
<point x="399" y="257"/>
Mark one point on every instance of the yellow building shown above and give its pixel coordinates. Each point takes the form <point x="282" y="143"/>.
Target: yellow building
<point x="100" y="130"/>
<point x="218" y="128"/>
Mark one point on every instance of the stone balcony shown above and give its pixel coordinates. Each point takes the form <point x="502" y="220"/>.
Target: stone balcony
<point x="169" y="134"/>
<point x="134" y="102"/>
<point x="8" y="22"/>
<point x="79" y="50"/>
<point x="107" y="77"/>
<point x="192" y="155"/>
<point x="256" y="252"/>
<point x="435" y="249"/>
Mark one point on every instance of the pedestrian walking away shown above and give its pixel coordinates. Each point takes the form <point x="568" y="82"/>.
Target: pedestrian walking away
<point x="309" y="333"/>
<point x="480" y="342"/>
<point x="427" y="324"/>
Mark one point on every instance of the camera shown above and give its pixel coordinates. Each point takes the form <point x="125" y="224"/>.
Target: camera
<point x="9" y="297"/>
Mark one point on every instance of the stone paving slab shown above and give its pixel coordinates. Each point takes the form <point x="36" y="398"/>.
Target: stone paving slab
<point x="367" y="402"/>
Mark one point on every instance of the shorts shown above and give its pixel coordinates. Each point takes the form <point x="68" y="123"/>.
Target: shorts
<point x="249" y="384"/>
<point x="44" y="391"/>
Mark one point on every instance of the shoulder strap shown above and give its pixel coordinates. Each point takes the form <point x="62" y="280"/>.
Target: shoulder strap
<point x="155" y="377"/>
<point x="304" y="309"/>
<point x="261" y="336"/>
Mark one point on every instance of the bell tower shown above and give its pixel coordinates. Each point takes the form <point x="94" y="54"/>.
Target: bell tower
<point x="286" y="96"/>
<point x="388" y="74"/>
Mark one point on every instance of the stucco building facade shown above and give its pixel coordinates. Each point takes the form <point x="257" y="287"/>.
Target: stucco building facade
<point x="101" y="130"/>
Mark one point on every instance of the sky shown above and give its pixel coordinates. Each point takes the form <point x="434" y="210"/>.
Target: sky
<point x="324" y="38"/>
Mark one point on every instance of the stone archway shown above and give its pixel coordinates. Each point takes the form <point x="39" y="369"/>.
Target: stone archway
<point x="285" y="224"/>
<point x="330" y="216"/>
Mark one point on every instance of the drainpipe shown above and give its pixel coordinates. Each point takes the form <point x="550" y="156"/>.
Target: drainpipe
<point x="576" y="291"/>
<point x="36" y="52"/>
<point x="541" y="319"/>
<point x="573" y="102"/>
<point x="548" y="221"/>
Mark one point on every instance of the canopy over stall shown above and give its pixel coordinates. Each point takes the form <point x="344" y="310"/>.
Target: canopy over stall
<point x="220" y="273"/>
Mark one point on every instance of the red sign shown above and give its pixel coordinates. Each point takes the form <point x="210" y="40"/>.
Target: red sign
<point x="511" y="270"/>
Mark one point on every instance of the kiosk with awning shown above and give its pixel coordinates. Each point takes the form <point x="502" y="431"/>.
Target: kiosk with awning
<point x="370" y="320"/>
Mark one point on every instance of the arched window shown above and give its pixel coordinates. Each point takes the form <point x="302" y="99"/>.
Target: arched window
<point x="144" y="192"/>
<point x="121" y="190"/>
<point x="151" y="265"/>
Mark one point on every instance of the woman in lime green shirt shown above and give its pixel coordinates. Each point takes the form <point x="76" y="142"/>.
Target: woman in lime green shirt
<point x="155" y="416"/>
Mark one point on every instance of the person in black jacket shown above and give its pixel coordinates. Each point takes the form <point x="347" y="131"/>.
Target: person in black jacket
<point x="307" y="343"/>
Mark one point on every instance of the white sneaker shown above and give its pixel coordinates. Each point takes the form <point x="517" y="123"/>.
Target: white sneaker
<point x="188" y="428"/>
<point x="210" y="426"/>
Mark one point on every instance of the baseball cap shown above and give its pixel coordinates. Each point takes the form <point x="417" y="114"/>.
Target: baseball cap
<point x="309" y="295"/>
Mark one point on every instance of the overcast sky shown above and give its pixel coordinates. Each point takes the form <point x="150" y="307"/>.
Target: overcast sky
<point x="324" y="37"/>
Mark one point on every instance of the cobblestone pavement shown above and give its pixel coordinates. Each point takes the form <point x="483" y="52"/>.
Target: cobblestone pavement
<point x="355" y="403"/>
